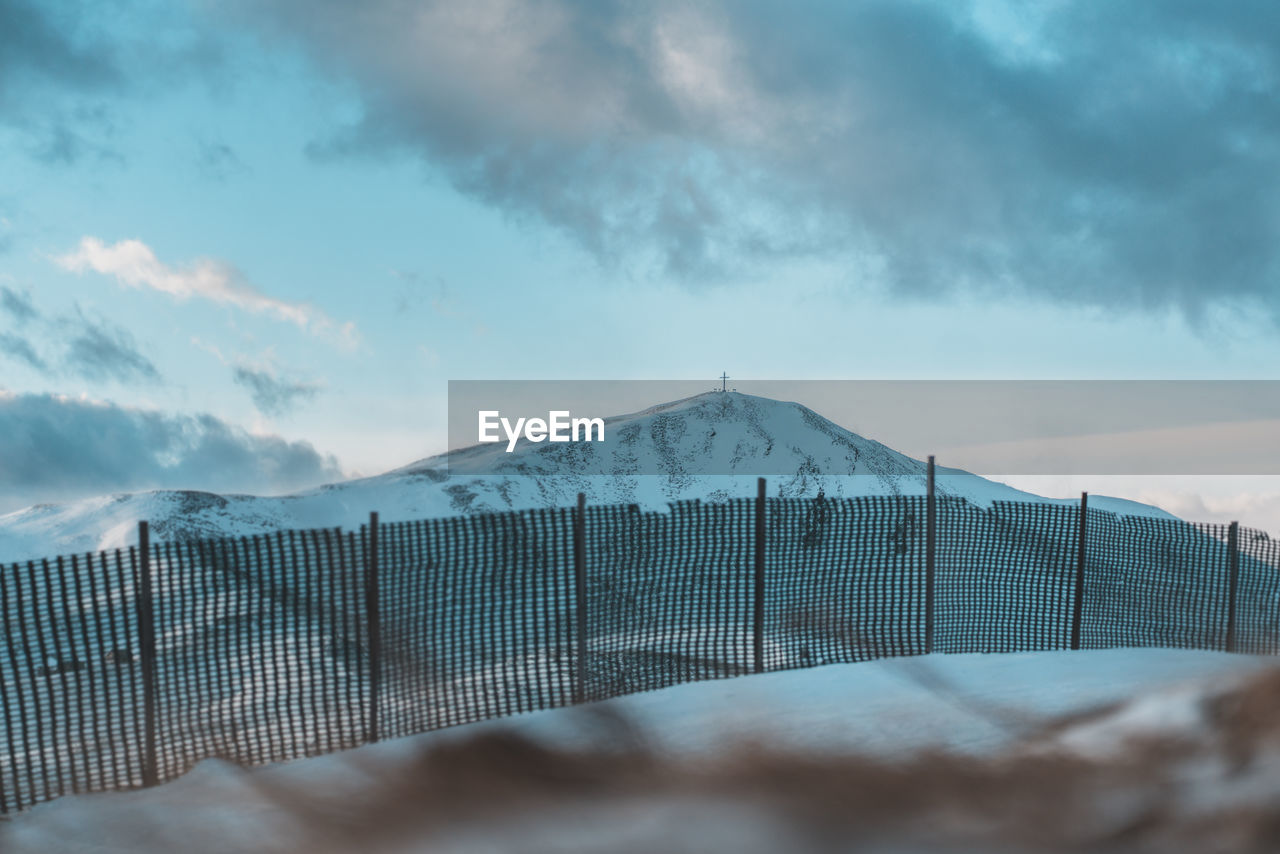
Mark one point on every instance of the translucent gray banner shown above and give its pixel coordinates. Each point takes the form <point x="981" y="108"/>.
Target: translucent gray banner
<point x="863" y="427"/>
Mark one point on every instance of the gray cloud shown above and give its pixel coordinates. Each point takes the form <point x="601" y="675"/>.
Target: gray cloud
<point x="273" y="395"/>
<point x="63" y="66"/>
<point x="94" y="349"/>
<point x="38" y="42"/>
<point x="44" y="48"/>
<point x="17" y="305"/>
<point x="54" y="448"/>
<point x="1120" y="154"/>
<point x="219" y="161"/>
<point x="19" y="348"/>
<point x="102" y="351"/>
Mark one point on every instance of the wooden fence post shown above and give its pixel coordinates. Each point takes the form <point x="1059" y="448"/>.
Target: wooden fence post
<point x="147" y="656"/>
<point x="580" y="588"/>
<point x="1233" y="575"/>
<point x="758" y="611"/>
<point x="1077" y="608"/>
<point x="930" y="556"/>
<point x="373" y="617"/>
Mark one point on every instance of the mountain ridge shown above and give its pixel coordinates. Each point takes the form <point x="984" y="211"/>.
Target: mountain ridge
<point x="710" y="446"/>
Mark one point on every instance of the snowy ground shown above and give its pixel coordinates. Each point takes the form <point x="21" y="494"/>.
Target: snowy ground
<point x="968" y="704"/>
<point x="977" y="706"/>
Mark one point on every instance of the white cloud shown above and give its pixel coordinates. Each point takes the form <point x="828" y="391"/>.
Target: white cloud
<point x="1253" y="504"/>
<point x="1251" y="500"/>
<point x="135" y="265"/>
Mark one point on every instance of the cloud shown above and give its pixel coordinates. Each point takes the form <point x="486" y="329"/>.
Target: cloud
<point x="219" y="161"/>
<point x="17" y="305"/>
<point x="65" y="66"/>
<point x="1252" y="500"/>
<point x="38" y="44"/>
<point x="1121" y="154"/>
<point x="100" y="351"/>
<point x="59" y="448"/>
<point x="416" y="288"/>
<point x="94" y="349"/>
<point x="135" y="265"/>
<point x="66" y="139"/>
<point x="58" y="70"/>
<point x="19" y="348"/>
<point x="273" y="395"/>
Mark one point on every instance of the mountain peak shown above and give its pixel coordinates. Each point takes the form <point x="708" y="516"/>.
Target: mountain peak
<point x="713" y="433"/>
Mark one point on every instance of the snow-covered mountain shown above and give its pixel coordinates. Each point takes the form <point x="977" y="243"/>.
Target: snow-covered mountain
<point x="709" y="447"/>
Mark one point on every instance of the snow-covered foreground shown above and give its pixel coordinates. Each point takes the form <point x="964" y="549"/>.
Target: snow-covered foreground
<point x="971" y="703"/>
<point x="985" y="708"/>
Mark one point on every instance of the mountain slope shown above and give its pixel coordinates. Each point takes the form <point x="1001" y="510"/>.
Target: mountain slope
<point x="709" y="447"/>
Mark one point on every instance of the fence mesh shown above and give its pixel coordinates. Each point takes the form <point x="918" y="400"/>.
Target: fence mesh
<point x="1258" y="594"/>
<point x="476" y="618"/>
<point x="668" y="596"/>
<point x="305" y="642"/>
<point x="1155" y="582"/>
<point x="844" y="580"/>
<point x="1005" y="576"/>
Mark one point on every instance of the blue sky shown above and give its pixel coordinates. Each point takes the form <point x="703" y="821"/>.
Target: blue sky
<point x="287" y="225"/>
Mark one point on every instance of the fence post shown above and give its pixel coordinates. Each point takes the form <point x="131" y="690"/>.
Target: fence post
<point x="1233" y="569"/>
<point x="147" y="656"/>
<point x="373" y="617"/>
<point x="758" y="611"/>
<point x="930" y="546"/>
<point x="580" y="588"/>
<point x="1077" y="609"/>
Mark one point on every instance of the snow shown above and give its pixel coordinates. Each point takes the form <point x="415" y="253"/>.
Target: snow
<point x="970" y="703"/>
<point x="974" y="704"/>
<point x="710" y="447"/>
<point x="1176" y="711"/>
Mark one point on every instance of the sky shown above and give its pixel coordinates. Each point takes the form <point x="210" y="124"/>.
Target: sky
<point x="244" y="245"/>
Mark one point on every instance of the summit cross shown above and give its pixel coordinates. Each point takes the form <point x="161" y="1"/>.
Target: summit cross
<point x="724" y="381"/>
